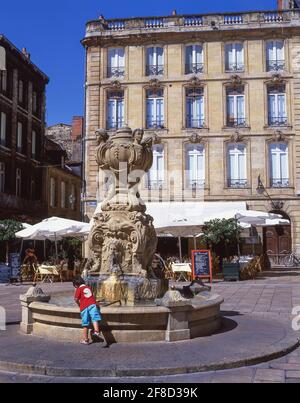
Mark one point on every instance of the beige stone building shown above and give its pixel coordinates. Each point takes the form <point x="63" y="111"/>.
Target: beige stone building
<point x="221" y="96"/>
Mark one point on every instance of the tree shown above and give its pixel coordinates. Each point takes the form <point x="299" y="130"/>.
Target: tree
<point x="222" y="235"/>
<point x="8" y="229"/>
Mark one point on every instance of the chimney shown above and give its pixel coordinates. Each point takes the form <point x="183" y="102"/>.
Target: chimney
<point x="77" y="128"/>
<point x="25" y="53"/>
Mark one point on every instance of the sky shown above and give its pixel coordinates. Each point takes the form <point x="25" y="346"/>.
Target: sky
<point x="51" y="31"/>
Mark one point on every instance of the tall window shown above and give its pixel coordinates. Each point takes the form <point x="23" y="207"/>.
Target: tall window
<point x="52" y="192"/>
<point x="155" y="109"/>
<point x="277" y="106"/>
<point x="33" y="144"/>
<point x="279" y="165"/>
<point x="2" y="177"/>
<point x="34" y="102"/>
<point x="73" y="197"/>
<point x="3" y="81"/>
<point x="234" y="57"/>
<point x="21" y="92"/>
<point x="18" y="181"/>
<point x="236" y="165"/>
<point x="194" y="107"/>
<point x="20" y="137"/>
<point x="63" y="194"/>
<point x="155" y="61"/>
<point x="235" y="106"/>
<point x="115" y="110"/>
<point x="156" y="173"/>
<point x="194" y="59"/>
<point x="275" y="56"/>
<point x="195" y="155"/>
<point x="116" y="62"/>
<point x="3" y="126"/>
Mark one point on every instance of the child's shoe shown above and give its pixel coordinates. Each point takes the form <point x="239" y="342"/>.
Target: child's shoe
<point x="85" y="342"/>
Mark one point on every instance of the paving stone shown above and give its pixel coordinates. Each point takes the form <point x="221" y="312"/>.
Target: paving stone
<point x="267" y="375"/>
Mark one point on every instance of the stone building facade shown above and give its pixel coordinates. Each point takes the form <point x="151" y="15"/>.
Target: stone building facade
<point x="22" y="128"/>
<point x="220" y="94"/>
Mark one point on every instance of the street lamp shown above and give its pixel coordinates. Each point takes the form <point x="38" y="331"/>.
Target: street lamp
<point x="277" y="204"/>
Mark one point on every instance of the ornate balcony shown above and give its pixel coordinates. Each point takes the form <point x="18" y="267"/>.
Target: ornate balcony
<point x="275" y="65"/>
<point x="154" y="70"/>
<point x="277" y="121"/>
<point x="194" y="123"/>
<point x="194" y="68"/>
<point x="279" y="182"/>
<point x="118" y="72"/>
<point x="237" y="183"/>
<point x="236" y="122"/>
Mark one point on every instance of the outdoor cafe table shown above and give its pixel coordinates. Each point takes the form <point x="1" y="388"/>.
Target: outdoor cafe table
<point x="183" y="270"/>
<point x="48" y="272"/>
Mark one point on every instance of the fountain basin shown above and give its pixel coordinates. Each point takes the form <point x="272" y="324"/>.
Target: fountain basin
<point x="128" y="324"/>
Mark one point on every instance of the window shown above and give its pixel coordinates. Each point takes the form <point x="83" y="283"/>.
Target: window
<point x="155" y="109"/>
<point x="234" y="57"/>
<point x="63" y="194"/>
<point x="3" y="123"/>
<point x="21" y="92"/>
<point x="195" y="166"/>
<point x="34" y="102"/>
<point x="2" y="177"/>
<point x="18" y="182"/>
<point x="116" y="63"/>
<point x="156" y="173"/>
<point x="237" y="167"/>
<point x="33" y="144"/>
<point x="279" y="165"/>
<point x="275" y="56"/>
<point x="235" y="106"/>
<point x="3" y="81"/>
<point x="20" y="138"/>
<point x="32" y="189"/>
<point x="155" y="61"/>
<point x="73" y="197"/>
<point x="194" y="59"/>
<point x="115" y="110"/>
<point x="52" y="192"/>
<point x="277" y="106"/>
<point x="194" y="108"/>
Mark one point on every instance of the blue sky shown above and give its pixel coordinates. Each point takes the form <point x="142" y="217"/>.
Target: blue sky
<point x="52" y="29"/>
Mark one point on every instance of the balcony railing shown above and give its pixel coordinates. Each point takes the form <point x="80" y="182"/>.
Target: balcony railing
<point x="118" y="71"/>
<point x="233" y="19"/>
<point x="155" y="184"/>
<point x="277" y="121"/>
<point x="194" y="68"/>
<point x="153" y="23"/>
<point x="155" y="124"/>
<point x="235" y="122"/>
<point x="118" y="124"/>
<point x="237" y="183"/>
<point x="193" y="21"/>
<point x="196" y="184"/>
<point x="273" y="17"/>
<point x="279" y="182"/>
<point x="275" y="65"/>
<point x="154" y="70"/>
<point x="235" y="67"/>
<point x="194" y="123"/>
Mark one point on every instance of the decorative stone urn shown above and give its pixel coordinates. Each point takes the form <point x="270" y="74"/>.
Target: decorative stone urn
<point x="123" y="238"/>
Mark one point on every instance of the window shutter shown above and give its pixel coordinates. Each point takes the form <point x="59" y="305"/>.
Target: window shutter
<point x="3" y="129"/>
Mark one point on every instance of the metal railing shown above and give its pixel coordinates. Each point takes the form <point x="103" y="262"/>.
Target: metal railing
<point x="118" y="124"/>
<point x="196" y="184"/>
<point x="155" y="184"/>
<point x="194" y="68"/>
<point x="279" y="182"/>
<point x="155" y="124"/>
<point x="234" y="122"/>
<point x="235" y="67"/>
<point x="237" y="183"/>
<point x="275" y="65"/>
<point x="154" y="70"/>
<point x="277" y="121"/>
<point x="194" y="123"/>
<point x="118" y="71"/>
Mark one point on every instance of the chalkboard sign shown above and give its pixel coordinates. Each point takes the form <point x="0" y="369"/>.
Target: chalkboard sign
<point x="202" y="264"/>
<point x="15" y="264"/>
<point x="5" y="272"/>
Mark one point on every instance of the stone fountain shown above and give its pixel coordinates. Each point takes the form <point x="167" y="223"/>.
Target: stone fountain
<point x="123" y="239"/>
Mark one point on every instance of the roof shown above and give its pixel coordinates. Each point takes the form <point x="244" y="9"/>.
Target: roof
<point x="26" y="60"/>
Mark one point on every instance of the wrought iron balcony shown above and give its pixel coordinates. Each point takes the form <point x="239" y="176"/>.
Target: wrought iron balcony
<point x="233" y="67"/>
<point x="154" y="70"/>
<point x="194" y="123"/>
<point x="194" y="68"/>
<point x="155" y="184"/>
<point x="275" y="65"/>
<point x="118" y="124"/>
<point x="235" y="122"/>
<point x="277" y="121"/>
<point x="237" y="183"/>
<point x="279" y="182"/>
<point x="155" y="124"/>
<point x="118" y="71"/>
<point x="196" y="184"/>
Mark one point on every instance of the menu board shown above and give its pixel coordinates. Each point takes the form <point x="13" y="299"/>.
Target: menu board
<point x="15" y="264"/>
<point x="202" y="264"/>
<point x="4" y="273"/>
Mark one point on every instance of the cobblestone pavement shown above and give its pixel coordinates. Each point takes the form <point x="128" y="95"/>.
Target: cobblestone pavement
<point x="271" y="295"/>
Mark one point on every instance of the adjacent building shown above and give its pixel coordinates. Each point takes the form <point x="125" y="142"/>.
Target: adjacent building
<point x="220" y="94"/>
<point x="22" y="126"/>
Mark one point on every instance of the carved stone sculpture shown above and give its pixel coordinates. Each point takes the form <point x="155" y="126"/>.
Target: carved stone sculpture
<point x="123" y="237"/>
